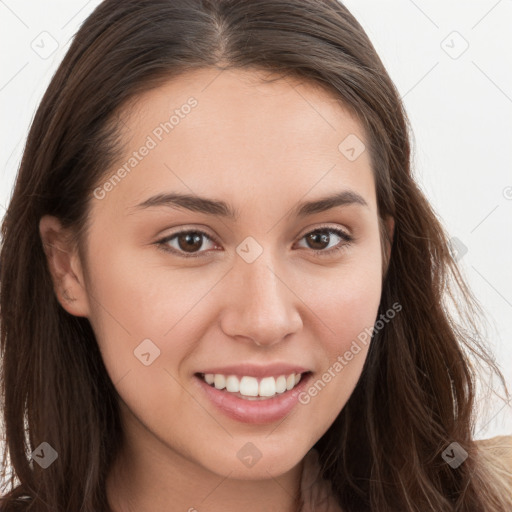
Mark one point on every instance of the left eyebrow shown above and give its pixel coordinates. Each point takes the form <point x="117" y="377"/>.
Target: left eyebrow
<point x="222" y="209"/>
<point x="343" y="198"/>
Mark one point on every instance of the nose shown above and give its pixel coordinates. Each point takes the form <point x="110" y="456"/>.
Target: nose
<point x="261" y="306"/>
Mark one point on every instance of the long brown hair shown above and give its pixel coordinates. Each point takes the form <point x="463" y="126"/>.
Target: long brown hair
<point x="416" y="394"/>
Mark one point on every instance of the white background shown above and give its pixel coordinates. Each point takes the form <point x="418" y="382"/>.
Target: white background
<point x="459" y="104"/>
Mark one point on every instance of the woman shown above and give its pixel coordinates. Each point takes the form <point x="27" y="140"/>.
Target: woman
<point x="221" y="287"/>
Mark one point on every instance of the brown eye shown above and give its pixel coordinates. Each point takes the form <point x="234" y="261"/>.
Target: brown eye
<point x="320" y="239"/>
<point x="185" y="243"/>
<point x="189" y="241"/>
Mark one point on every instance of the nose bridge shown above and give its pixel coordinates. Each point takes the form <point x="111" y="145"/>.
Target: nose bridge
<point x="262" y="285"/>
<point x="261" y="305"/>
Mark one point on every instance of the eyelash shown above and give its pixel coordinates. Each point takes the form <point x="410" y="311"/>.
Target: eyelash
<point x="348" y="239"/>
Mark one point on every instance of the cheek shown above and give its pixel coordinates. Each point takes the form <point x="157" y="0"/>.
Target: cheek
<point x="127" y="289"/>
<point x="142" y="321"/>
<point x="345" y="308"/>
<point x="144" y="312"/>
<point x="350" y="318"/>
<point x="346" y="301"/>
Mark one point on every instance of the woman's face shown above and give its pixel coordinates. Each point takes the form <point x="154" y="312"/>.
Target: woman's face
<point x="242" y="295"/>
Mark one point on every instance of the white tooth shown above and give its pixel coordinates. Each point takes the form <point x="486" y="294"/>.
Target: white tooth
<point x="267" y="386"/>
<point x="209" y="378"/>
<point x="281" y="384"/>
<point x="297" y="378"/>
<point x="232" y="384"/>
<point x="220" y="381"/>
<point x="249" y="386"/>
<point x="290" y="381"/>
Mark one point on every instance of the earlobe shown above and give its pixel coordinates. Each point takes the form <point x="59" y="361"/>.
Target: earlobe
<point x="64" y="266"/>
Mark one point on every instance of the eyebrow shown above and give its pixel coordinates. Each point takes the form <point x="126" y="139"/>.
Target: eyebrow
<point x="220" y="208"/>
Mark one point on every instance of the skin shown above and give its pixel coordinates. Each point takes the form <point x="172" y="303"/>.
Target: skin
<point x="262" y="148"/>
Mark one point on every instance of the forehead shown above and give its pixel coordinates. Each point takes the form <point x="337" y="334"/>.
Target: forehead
<point x="241" y="103"/>
<point x="219" y="133"/>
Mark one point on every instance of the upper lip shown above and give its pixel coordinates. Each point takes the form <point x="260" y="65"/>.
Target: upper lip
<point x="252" y="370"/>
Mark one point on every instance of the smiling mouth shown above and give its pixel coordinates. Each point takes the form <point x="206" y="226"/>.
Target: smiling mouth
<point x="252" y="388"/>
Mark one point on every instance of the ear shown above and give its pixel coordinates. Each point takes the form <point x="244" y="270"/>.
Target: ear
<point x="65" y="266"/>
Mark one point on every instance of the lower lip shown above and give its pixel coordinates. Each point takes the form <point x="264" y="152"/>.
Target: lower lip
<point x="254" y="411"/>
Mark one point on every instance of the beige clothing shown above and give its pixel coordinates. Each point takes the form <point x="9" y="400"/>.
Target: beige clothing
<point x="317" y="493"/>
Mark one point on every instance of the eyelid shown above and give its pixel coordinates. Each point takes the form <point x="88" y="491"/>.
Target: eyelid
<point x="316" y="227"/>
